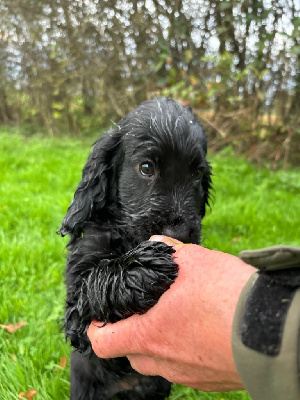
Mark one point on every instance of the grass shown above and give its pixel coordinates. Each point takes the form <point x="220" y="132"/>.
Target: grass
<point x="252" y="208"/>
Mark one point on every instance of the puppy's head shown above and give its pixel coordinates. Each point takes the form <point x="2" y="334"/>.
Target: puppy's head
<point x="151" y="171"/>
<point x="164" y="179"/>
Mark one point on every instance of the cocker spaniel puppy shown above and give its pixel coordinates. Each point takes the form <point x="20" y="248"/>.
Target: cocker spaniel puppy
<point x="147" y="176"/>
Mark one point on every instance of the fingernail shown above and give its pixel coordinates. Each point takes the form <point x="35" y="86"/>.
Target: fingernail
<point x="156" y="238"/>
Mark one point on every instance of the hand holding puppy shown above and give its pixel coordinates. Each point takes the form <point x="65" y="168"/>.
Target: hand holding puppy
<point x="186" y="336"/>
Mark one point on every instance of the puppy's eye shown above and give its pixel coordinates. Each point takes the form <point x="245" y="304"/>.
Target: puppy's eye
<point x="198" y="174"/>
<point x="147" y="168"/>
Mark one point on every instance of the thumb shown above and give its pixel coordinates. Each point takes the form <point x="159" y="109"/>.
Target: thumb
<point x="115" y="340"/>
<point x="177" y="244"/>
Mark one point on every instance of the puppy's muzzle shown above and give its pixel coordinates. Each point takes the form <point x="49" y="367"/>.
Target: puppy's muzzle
<point x="183" y="232"/>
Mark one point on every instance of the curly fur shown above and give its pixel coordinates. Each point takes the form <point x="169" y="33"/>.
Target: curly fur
<point x="148" y="176"/>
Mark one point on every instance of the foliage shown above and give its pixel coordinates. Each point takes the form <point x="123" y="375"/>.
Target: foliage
<point x="66" y="65"/>
<point x="252" y="208"/>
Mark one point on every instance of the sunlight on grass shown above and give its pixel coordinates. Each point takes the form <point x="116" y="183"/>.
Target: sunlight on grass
<point x="252" y="208"/>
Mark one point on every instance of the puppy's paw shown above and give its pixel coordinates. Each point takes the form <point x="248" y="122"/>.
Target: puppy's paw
<point x="152" y="256"/>
<point x="148" y="271"/>
<point x="132" y="283"/>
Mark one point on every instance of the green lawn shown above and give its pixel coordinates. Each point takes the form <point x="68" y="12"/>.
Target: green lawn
<point x="252" y="208"/>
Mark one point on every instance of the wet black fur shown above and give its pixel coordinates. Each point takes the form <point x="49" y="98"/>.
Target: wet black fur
<point x="113" y="271"/>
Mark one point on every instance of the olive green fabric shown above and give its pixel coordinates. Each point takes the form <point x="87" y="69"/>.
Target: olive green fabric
<point x="270" y="377"/>
<point x="272" y="258"/>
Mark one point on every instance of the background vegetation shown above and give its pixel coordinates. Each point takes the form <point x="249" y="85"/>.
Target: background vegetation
<point x="252" y="208"/>
<point x="73" y="66"/>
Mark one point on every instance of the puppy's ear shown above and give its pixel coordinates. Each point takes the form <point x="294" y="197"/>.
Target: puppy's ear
<point x="206" y="184"/>
<point x="97" y="186"/>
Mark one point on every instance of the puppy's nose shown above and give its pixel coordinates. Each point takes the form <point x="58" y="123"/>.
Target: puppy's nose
<point x="183" y="233"/>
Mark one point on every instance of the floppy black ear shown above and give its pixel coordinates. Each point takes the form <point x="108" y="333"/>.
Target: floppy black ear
<point x="97" y="186"/>
<point x="206" y="184"/>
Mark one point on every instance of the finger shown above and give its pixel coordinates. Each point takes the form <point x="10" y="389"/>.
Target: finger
<point x="144" y="365"/>
<point x="114" y="340"/>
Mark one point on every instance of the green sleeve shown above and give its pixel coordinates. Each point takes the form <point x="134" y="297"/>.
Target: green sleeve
<point x="266" y="327"/>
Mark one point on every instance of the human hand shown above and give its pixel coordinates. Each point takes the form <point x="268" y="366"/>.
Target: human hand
<point x="186" y="336"/>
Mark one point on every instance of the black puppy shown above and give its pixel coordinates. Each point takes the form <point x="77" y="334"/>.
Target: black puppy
<point x="148" y="176"/>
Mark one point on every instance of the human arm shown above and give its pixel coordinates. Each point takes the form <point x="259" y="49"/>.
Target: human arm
<point x="194" y="348"/>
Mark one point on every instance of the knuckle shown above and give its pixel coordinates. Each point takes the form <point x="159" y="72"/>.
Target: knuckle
<point x="142" y="364"/>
